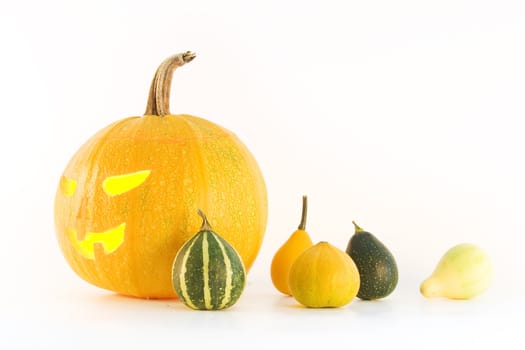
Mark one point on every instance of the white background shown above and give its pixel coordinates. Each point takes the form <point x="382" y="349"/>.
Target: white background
<point x="406" y="116"/>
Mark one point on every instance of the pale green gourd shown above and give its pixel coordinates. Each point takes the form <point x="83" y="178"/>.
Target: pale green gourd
<point x="464" y="272"/>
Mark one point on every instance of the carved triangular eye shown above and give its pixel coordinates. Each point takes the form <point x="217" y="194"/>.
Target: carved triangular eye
<point x="115" y="185"/>
<point x="67" y="186"/>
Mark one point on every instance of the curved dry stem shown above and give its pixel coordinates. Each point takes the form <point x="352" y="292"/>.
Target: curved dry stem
<point x="205" y="224"/>
<point x="159" y="93"/>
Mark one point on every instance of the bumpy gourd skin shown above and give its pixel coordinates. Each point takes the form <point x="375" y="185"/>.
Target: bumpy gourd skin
<point x="376" y="264"/>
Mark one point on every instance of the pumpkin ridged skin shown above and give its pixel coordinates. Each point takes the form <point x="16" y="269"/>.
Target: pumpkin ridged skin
<point x="194" y="163"/>
<point x="125" y="202"/>
<point x="200" y="273"/>
<point x="324" y="276"/>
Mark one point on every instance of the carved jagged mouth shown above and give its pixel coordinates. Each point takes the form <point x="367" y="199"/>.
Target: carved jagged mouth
<point x="110" y="240"/>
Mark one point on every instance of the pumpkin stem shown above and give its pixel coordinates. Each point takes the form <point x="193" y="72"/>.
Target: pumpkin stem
<point x="302" y="225"/>
<point x="159" y="92"/>
<point x="205" y="224"/>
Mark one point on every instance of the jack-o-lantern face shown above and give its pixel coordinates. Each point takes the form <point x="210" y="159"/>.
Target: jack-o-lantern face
<point x="112" y="238"/>
<point x="128" y="199"/>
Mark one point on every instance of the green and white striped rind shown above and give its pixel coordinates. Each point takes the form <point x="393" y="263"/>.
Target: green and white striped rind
<point x="208" y="274"/>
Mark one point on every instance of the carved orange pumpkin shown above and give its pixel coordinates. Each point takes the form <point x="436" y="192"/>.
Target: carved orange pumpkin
<point x="128" y="198"/>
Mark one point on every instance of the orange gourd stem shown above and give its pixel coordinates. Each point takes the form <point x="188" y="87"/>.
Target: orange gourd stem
<point x="159" y="93"/>
<point x="302" y="224"/>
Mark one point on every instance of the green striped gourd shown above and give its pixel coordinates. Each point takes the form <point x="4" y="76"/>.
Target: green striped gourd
<point x="208" y="274"/>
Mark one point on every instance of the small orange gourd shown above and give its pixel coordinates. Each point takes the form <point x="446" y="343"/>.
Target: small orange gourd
<point x="324" y="276"/>
<point x="283" y="259"/>
<point x="126" y="201"/>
